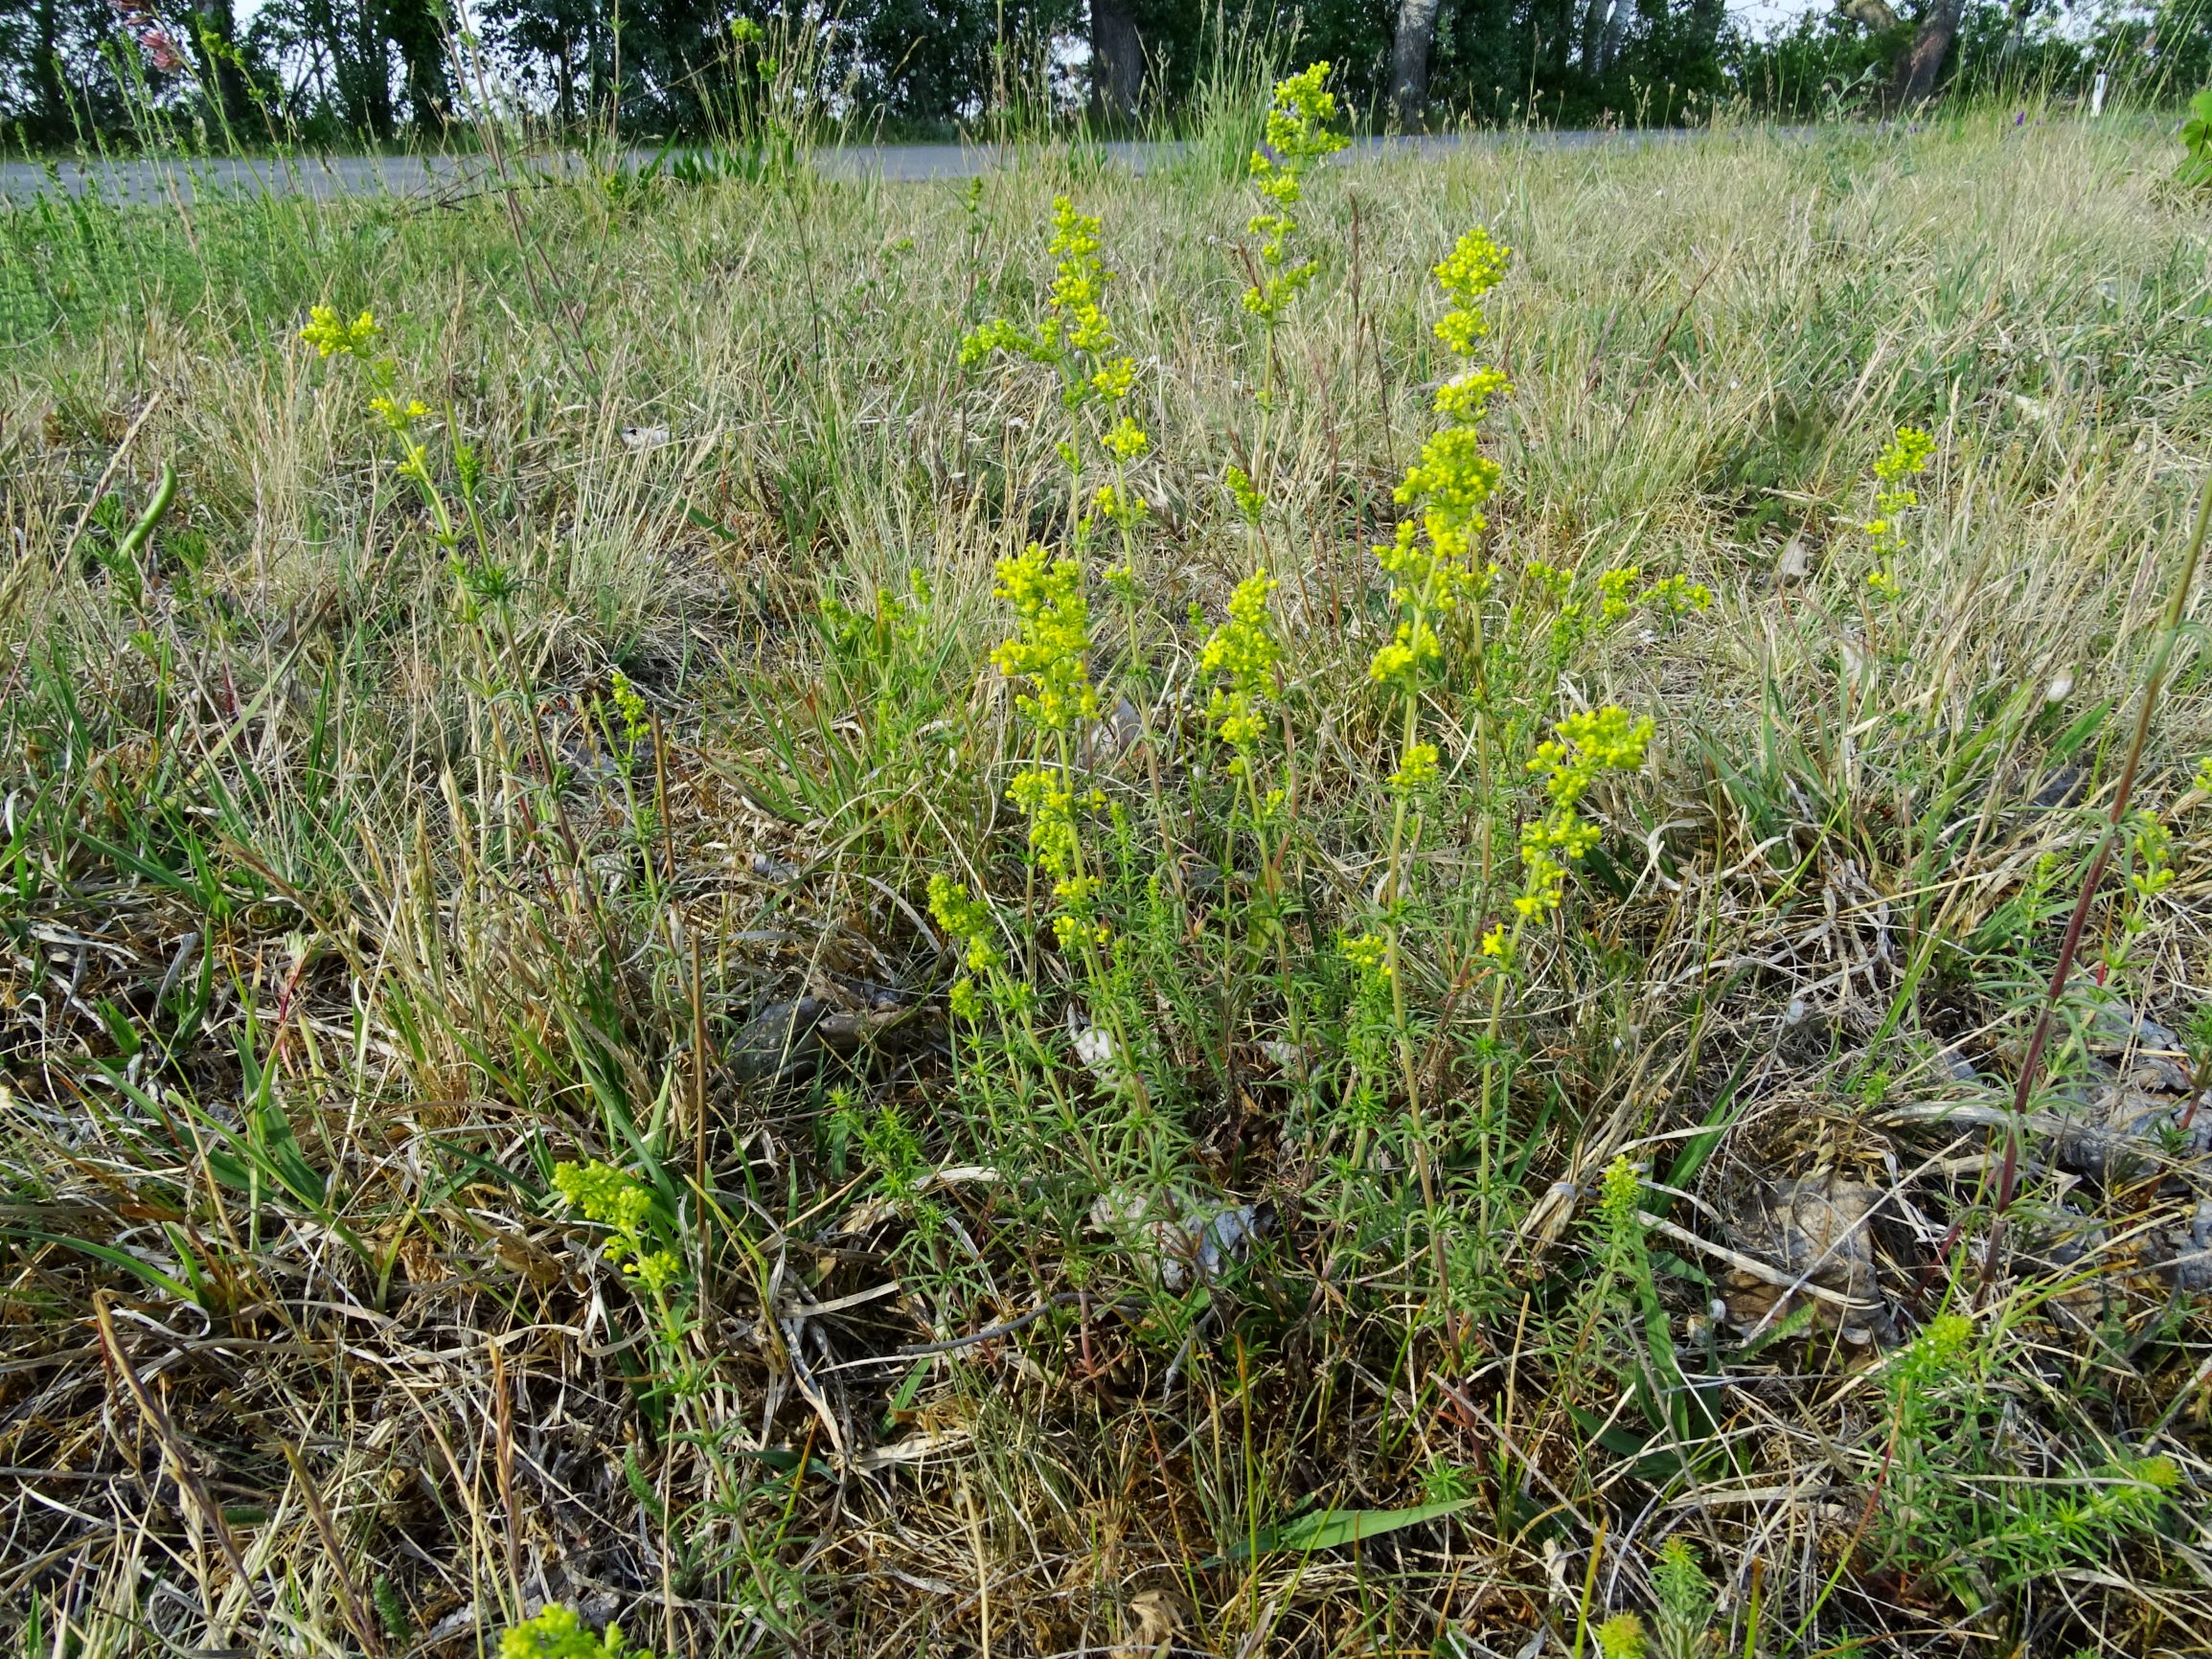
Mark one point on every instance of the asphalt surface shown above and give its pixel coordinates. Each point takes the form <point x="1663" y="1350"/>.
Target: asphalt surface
<point x="431" y="178"/>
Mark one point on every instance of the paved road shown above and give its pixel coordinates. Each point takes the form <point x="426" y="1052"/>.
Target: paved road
<point x="429" y="177"/>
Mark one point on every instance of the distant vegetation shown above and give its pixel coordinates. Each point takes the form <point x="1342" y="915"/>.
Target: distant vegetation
<point x="421" y="72"/>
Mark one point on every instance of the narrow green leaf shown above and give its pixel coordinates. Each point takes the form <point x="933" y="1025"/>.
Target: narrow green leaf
<point x="1332" y="1528"/>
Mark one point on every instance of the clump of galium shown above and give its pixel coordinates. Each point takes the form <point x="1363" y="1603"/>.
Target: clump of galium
<point x="1048" y="656"/>
<point x="1077" y="338"/>
<point x="1244" y="652"/>
<point x="1894" y="496"/>
<point x="1436" y="573"/>
<point x="1243" y="656"/>
<point x="1433" y="560"/>
<point x="637" y="1241"/>
<point x="333" y="336"/>
<point x="1297" y="134"/>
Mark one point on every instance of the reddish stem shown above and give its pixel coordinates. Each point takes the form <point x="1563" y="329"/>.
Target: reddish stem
<point x="2176" y="607"/>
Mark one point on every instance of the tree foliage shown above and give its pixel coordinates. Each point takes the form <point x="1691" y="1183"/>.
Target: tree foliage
<point x="338" y="71"/>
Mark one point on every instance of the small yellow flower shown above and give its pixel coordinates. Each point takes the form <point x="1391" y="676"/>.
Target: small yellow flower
<point x="1248" y="499"/>
<point x="1476" y="266"/>
<point x="1466" y="396"/>
<point x="964" y="917"/>
<point x="1049" y="806"/>
<point x="330" y="337"/>
<point x="1410" y="654"/>
<point x="1676" y="595"/>
<point x="1125" y="440"/>
<point x="1367" y="952"/>
<point x="1245" y="649"/>
<point x="400" y="417"/>
<point x="1588" y="744"/>
<point x="1115" y="380"/>
<point x="1296" y="134"/>
<point x="1416" y="769"/>
<point x="1904" y="459"/>
<point x="1051" y="648"/>
<point x="1121" y="506"/>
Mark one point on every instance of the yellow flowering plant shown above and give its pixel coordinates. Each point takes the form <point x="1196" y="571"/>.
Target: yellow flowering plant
<point x="640" y="1241"/>
<point x="1431" y="560"/>
<point x="333" y="336"/>
<point x="1048" y="655"/>
<point x="559" y="1633"/>
<point x="626" y="1207"/>
<point x="1895" y="494"/>
<point x="1244" y="652"/>
<point x="1243" y="656"/>
<point x="1589" y="745"/>
<point x="1432" y="566"/>
<point x="1296" y="134"/>
<point x="1077" y="338"/>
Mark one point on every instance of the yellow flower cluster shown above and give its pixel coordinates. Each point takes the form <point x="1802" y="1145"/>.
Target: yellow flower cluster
<point x="1079" y="327"/>
<point x="967" y="919"/>
<point x="1079" y="280"/>
<point x="1431" y="560"/>
<point x="1589" y="745"/>
<point x="558" y="1633"/>
<point x="1368" y="954"/>
<point x="1118" y="505"/>
<point x="400" y="417"/>
<point x="1245" y="493"/>
<point x="1621" y="1193"/>
<point x="629" y="705"/>
<point x="607" y="1196"/>
<point x="1904" y="459"/>
<point x="1051" y="647"/>
<point x="1416" y="769"/>
<point x="1677" y="595"/>
<point x="1297" y="134"/>
<point x="332" y="337"/>
<point x="1616" y="597"/>
<point x="1245" y="650"/>
<point x="1046" y="800"/>
<point x="1125" y="440"/>
<point x="1080" y="341"/>
<point x="2151" y="844"/>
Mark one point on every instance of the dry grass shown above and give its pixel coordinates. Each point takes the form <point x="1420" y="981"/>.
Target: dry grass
<point x="309" y="977"/>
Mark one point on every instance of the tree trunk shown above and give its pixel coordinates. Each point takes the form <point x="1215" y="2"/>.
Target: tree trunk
<point x="1409" y="63"/>
<point x="215" y="43"/>
<point x="1918" y="68"/>
<point x="1594" y="17"/>
<point x="595" y="56"/>
<point x="1616" y="33"/>
<point x="416" y="29"/>
<point x="53" y="118"/>
<point x="1117" y="59"/>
